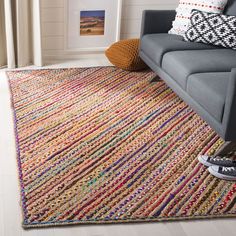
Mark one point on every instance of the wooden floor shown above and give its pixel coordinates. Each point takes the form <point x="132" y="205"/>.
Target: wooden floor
<point x="10" y="211"/>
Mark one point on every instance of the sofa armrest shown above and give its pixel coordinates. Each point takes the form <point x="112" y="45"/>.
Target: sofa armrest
<point x="229" y="118"/>
<point x="157" y="21"/>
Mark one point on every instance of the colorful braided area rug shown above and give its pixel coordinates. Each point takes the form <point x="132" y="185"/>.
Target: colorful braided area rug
<point x="102" y="145"/>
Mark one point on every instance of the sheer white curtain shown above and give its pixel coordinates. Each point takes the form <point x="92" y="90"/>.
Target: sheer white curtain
<point x="3" y="59"/>
<point x="20" y="33"/>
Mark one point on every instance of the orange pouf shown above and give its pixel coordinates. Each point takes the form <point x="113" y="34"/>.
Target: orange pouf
<point x="125" y="55"/>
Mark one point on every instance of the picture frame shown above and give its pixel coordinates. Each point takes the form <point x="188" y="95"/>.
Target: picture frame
<point x="92" y="25"/>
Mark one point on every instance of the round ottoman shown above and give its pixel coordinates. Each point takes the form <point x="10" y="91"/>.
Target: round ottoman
<point x="125" y="55"/>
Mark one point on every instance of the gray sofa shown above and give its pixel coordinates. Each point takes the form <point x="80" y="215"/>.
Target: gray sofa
<point x="204" y="76"/>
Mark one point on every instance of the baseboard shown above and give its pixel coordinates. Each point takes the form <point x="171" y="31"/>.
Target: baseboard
<point x="72" y="56"/>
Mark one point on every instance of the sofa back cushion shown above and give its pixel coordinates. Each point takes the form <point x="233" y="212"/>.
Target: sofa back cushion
<point x="230" y="8"/>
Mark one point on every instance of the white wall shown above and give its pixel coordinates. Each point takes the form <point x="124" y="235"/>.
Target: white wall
<point x="53" y="21"/>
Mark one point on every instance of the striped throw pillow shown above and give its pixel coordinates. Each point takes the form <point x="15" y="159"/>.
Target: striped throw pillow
<point x="183" y="12"/>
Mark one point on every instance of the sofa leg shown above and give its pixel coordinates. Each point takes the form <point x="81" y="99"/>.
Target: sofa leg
<point x="226" y="148"/>
<point x="155" y="79"/>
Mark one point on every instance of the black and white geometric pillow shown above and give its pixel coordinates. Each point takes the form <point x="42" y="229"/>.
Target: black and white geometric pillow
<point x="211" y="28"/>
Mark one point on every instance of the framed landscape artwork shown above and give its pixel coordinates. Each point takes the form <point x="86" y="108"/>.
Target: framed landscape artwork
<point x="92" y="25"/>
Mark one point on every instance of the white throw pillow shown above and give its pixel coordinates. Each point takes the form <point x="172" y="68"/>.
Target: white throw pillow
<point x="183" y="12"/>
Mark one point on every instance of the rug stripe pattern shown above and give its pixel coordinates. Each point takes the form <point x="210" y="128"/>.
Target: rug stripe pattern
<point x="101" y="145"/>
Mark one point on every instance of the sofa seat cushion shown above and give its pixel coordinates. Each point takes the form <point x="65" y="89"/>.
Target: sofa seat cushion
<point x="156" y="45"/>
<point x="209" y="90"/>
<point x="181" y="64"/>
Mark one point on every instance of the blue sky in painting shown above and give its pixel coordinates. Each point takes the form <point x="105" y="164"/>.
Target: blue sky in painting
<point x="92" y="13"/>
